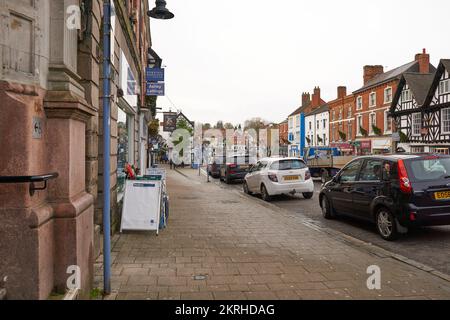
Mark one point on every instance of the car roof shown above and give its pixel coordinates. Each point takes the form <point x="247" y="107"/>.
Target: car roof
<point x="275" y="159"/>
<point x="401" y="156"/>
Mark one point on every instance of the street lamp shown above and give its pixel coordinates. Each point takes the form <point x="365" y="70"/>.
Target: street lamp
<point x="160" y="11"/>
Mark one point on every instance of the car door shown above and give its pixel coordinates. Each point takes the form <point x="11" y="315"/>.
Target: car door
<point x="341" y="190"/>
<point x="252" y="177"/>
<point x="368" y="186"/>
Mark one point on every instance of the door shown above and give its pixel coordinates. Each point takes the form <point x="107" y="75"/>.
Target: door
<point x="368" y="186"/>
<point x="251" y="177"/>
<point x="255" y="176"/>
<point x="341" y="190"/>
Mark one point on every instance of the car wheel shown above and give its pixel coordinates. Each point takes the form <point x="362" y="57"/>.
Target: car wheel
<point x="227" y="179"/>
<point x="327" y="209"/>
<point x="386" y="224"/>
<point x="308" y="195"/>
<point x="264" y="194"/>
<point x="246" y="189"/>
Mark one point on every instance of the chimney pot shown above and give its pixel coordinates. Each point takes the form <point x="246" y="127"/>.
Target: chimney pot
<point x="371" y="72"/>
<point x="424" y="61"/>
<point x="342" y="92"/>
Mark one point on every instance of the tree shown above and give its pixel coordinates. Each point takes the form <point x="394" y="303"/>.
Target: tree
<point x="206" y="126"/>
<point x="183" y="124"/>
<point x="255" y="123"/>
<point x="228" y="125"/>
<point x="153" y="128"/>
<point x="219" y="125"/>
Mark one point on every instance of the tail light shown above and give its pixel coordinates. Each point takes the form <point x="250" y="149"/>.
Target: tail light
<point x="273" y="177"/>
<point x="232" y="165"/>
<point x="405" y="184"/>
<point x="307" y="175"/>
<point x="412" y="216"/>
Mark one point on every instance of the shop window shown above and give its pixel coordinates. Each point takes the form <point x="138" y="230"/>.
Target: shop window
<point x="124" y="149"/>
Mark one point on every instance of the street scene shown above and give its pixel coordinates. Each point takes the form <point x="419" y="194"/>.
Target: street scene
<point x="169" y="151"/>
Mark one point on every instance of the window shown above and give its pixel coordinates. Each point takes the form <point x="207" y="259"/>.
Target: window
<point x="371" y="171"/>
<point x="291" y="122"/>
<point x="387" y="122"/>
<point x="359" y="103"/>
<point x="429" y="169"/>
<point x="297" y="121"/>
<point x="406" y="95"/>
<point x="350" y="131"/>
<point x="318" y="124"/>
<point x="333" y="115"/>
<point x="417" y="149"/>
<point x="325" y="142"/>
<point x="324" y="123"/>
<point x="388" y="95"/>
<point x="124" y="149"/>
<point x="340" y="114"/>
<point x="372" y="122"/>
<point x="416" y="124"/>
<point x="284" y="165"/>
<point x="444" y="86"/>
<point x="349" y="113"/>
<point x="333" y="133"/>
<point x="350" y="173"/>
<point x="373" y="99"/>
<point x="445" y="118"/>
<point x="310" y="125"/>
<point x="359" y="123"/>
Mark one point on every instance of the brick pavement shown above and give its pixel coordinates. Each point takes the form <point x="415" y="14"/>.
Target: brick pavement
<point x="225" y="246"/>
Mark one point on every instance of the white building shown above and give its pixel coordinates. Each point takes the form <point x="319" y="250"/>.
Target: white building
<point x="317" y="127"/>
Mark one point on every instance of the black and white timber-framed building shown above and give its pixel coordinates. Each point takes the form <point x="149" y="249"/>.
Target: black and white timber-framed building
<point x="421" y="111"/>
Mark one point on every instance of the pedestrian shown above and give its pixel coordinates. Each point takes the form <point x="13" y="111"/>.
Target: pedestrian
<point x="171" y="164"/>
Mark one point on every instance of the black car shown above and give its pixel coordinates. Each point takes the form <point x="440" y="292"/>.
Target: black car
<point x="234" y="168"/>
<point x="213" y="168"/>
<point x="396" y="192"/>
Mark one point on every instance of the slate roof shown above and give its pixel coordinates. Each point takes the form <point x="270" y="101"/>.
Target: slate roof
<point x="321" y="109"/>
<point x="419" y="84"/>
<point x="446" y="63"/>
<point x="393" y="74"/>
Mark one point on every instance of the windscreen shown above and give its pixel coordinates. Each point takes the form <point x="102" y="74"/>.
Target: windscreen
<point x="292" y="164"/>
<point x="428" y="169"/>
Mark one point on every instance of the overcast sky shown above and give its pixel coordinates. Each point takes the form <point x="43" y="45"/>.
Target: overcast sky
<point x="232" y="60"/>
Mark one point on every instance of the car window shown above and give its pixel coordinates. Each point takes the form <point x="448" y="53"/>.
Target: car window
<point x="371" y="171"/>
<point x="293" y="164"/>
<point x="432" y="168"/>
<point x="350" y="173"/>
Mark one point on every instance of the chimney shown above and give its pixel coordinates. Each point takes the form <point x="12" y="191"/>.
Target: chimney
<point x="371" y="72"/>
<point x="424" y="61"/>
<point x="316" y="101"/>
<point x="342" y="92"/>
<point x="306" y="99"/>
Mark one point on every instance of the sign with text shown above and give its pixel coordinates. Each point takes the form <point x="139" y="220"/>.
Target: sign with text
<point x="155" y="89"/>
<point x="154" y="74"/>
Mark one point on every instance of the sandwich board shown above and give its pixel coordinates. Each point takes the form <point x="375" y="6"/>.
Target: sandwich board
<point x="142" y="205"/>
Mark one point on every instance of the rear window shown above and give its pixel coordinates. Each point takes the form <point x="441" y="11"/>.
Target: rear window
<point x="288" y="165"/>
<point x="428" y="169"/>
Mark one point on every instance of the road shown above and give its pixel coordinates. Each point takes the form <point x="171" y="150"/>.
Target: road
<point x="430" y="246"/>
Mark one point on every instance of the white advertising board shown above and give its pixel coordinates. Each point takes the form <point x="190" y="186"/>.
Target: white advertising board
<point x="141" y="207"/>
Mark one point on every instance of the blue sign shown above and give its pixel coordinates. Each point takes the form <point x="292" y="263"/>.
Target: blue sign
<point x="155" y="89"/>
<point x="154" y="74"/>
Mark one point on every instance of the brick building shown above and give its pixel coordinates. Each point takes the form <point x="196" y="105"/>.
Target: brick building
<point x="342" y="120"/>
<point x="373" y="101"/>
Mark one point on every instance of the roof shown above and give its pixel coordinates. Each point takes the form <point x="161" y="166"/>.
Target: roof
<point x="321" y="109"/>
<point x="446" y="63"/>
<point x="419" y="84"/>
<point x="393" y="74"/>
<point x="299" y="110"/>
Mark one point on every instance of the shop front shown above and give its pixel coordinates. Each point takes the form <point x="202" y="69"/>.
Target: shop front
<point x="381" y="146"/>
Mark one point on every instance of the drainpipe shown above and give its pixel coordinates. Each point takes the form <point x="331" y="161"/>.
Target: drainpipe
<point x="302" y="134"/>
<point x="106" y="146"/>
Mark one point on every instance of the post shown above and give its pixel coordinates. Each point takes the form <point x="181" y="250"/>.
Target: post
<point x="106" y="146"/>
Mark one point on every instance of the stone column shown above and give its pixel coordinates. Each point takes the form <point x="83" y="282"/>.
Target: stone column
<point x="68" y="113"/>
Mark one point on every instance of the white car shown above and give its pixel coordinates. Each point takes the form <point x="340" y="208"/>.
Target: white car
<point x="276" y="176"/>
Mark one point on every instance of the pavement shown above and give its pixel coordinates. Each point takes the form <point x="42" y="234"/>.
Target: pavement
<point x="221" y="244"/>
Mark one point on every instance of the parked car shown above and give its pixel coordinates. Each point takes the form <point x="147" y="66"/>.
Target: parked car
<point x="213" y="168"/>
<point x="234" y="168"/>
<point x="276" y="176"/>
<point x="395" y="192"/>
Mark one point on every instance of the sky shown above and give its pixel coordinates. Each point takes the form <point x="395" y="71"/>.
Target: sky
<point x="233" y="60"/>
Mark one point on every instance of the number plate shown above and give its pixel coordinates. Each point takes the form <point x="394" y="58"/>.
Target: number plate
<point x="291" y="178"/>
<point x="445" y="195"/>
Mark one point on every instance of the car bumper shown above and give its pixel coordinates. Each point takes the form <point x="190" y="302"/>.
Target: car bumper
<point x="426" y="216"/>
<point x="237" y="176"/>
<point x="274" y="188"/>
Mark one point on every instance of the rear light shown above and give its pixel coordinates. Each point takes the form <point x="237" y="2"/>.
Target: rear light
<point x="412" y="216"/>
<point x="307" y="175"/>
<point x="273" y="177"/>
<point x="405" y="184"/>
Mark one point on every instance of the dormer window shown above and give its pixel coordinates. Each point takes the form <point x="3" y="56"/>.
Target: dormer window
<point x="444" y="87"/>
<point x="406" y="95"/>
